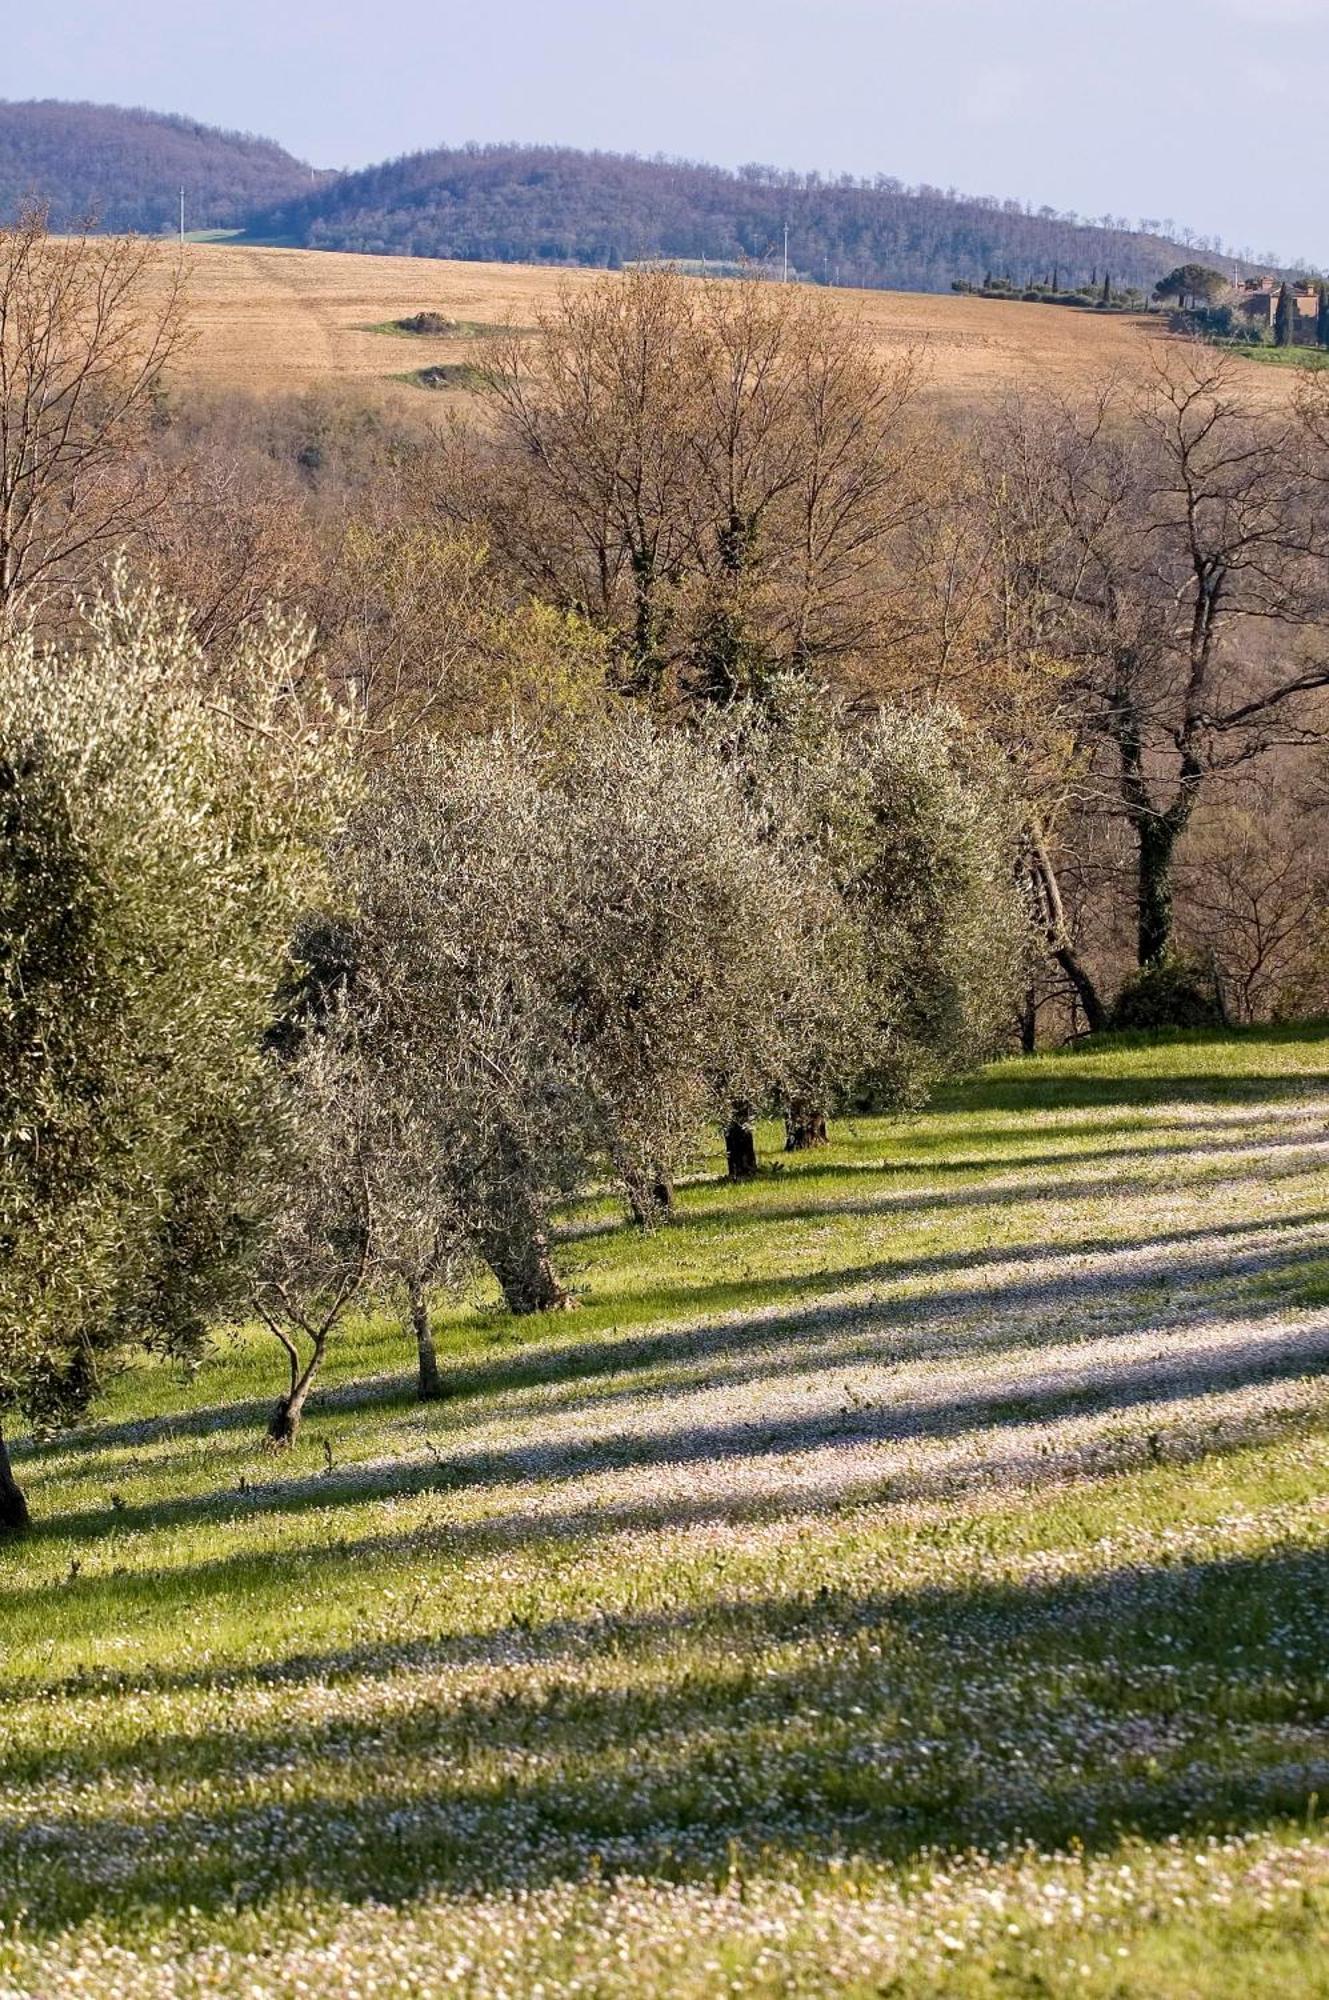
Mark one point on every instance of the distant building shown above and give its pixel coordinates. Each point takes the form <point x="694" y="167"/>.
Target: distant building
<point x="1257" y="300"/>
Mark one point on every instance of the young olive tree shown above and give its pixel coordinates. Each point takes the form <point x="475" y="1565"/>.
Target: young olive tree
<point x="160" y="828"/>
<point x="319" y="1218"/>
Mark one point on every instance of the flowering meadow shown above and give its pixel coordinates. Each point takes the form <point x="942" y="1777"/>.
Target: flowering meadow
<point x="906" y="1574"/>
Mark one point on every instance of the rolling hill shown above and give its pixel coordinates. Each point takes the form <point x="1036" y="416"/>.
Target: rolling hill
<point x="515" y="203"/>
<point x="126" y="168"/>
<point x="274" y="320"/>
<point x="544" y="204"/>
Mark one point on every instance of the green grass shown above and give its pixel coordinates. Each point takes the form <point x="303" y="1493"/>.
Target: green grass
<point x="440" y="375"/>
<point x="1277" y="357"/>
<point x="904" y="1575"/>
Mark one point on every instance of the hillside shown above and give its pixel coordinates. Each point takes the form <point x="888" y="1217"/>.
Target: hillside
<point x="906" y="1574"/>
<point x="277" y="320"/>
<point x="543" y="204"/>
<point x="127" y="168"/>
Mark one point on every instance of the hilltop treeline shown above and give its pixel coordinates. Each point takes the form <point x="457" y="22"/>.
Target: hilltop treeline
<point x="126" y="168"/>
<point x="550" y="204"/>
<point x="546" y="204"/>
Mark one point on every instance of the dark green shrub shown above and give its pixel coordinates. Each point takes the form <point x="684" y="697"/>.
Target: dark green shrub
<point x="1174" y="993"/>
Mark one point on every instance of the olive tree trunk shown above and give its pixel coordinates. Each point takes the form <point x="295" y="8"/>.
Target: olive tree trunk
<point x="514" y="1245"/>
<point x="429" y="1386"/>
<point x="284" y="1424"/>
<point x="804" y="1127"/>
<point x="740" y="1145"/>
<point x="14" y="1516"/>
<point x="649" y="1200"/>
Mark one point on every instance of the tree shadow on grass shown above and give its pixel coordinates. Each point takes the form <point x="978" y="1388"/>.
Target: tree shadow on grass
<point x="1006" y="1089"/>
<point x="1156" y="1258"/>
<point x="1011" y="1422"/>
<point x="1288" y="1159"/>
<point x="829" y="1722"/>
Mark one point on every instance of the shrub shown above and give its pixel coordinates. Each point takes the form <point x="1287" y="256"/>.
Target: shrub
<point x="1174" y="993"/>
<point x="427" y="322"/>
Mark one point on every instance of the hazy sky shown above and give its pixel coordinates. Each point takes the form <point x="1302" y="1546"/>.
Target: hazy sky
<point x="1209" y="112"/>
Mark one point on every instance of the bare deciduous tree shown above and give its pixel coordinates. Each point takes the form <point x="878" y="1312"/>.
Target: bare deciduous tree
<point x="88" y="327"/>
<point x="1157" y="565"/>
<point x="710" y="472"/>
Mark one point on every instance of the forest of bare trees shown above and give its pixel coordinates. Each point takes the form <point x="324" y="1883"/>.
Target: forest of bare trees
<point x="126" y="169"/>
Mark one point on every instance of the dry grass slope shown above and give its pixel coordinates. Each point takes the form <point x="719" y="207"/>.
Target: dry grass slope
<point x="273" y="320"/>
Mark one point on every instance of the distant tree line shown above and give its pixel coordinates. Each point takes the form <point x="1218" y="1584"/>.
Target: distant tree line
<point x="545" y="204"/>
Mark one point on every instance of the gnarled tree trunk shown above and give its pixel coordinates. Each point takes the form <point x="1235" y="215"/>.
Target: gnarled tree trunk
<point x="429" y="1382"/>
<point x="514" y="1245"/>
<point x="804" y="1127"/>
<point x="740" y="1145"/>
<point x="14" y="1516"/>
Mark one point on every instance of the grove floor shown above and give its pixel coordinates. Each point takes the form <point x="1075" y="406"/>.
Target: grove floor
<point x="905" y="1575"/>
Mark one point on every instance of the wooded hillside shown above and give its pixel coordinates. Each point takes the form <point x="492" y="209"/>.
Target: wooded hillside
<point x="538" y="204"/>
<point x="126" y="168"/>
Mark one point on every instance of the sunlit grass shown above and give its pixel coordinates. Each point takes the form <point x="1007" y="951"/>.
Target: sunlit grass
<point x="904" y="1574"/>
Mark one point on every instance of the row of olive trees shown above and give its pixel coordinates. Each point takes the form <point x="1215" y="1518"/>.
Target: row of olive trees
<point x="525" y="963"/>
<point x="558" y="963"/>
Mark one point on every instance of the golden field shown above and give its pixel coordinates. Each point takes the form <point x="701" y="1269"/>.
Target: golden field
<point x="272" y="320"/>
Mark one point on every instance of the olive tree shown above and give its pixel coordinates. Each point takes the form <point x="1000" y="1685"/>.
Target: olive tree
<point x="912" y="816"/>
<point x="316" y="1206"/>
<point x="162" y="823"/>
<point x="571" y="958"/>
<point x="457" y="875"/>
<point x="712" y="959"/>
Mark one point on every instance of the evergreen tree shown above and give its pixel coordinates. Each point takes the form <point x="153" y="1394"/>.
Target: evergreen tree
<point x="1322" y="315"/>
<point x="1285" y="317"/>
<point x="1107" y="289"/>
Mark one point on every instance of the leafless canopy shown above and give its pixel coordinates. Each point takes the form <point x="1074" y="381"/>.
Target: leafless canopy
<point x="88" y="327"/>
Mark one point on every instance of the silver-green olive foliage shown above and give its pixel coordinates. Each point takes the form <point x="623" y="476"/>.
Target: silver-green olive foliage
<point x="162" y="823"/>
<point x="573" y="959"/>
<point x="912" y="813"/>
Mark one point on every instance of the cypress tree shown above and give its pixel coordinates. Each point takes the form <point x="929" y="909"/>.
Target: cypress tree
<point x="1322" y="316"/>
<point x="1107" y="289"/>
<point x="1284" y="317"/>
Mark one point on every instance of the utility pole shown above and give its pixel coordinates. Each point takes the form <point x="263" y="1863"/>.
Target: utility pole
<point x="786" y="254"/>
<point x="182" y="215"/>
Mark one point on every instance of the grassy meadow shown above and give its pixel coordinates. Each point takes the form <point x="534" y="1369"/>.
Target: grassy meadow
<point x="904" y="1575"/>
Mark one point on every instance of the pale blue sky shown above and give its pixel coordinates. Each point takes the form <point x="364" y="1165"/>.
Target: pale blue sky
<point x="1209" y="112"/>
